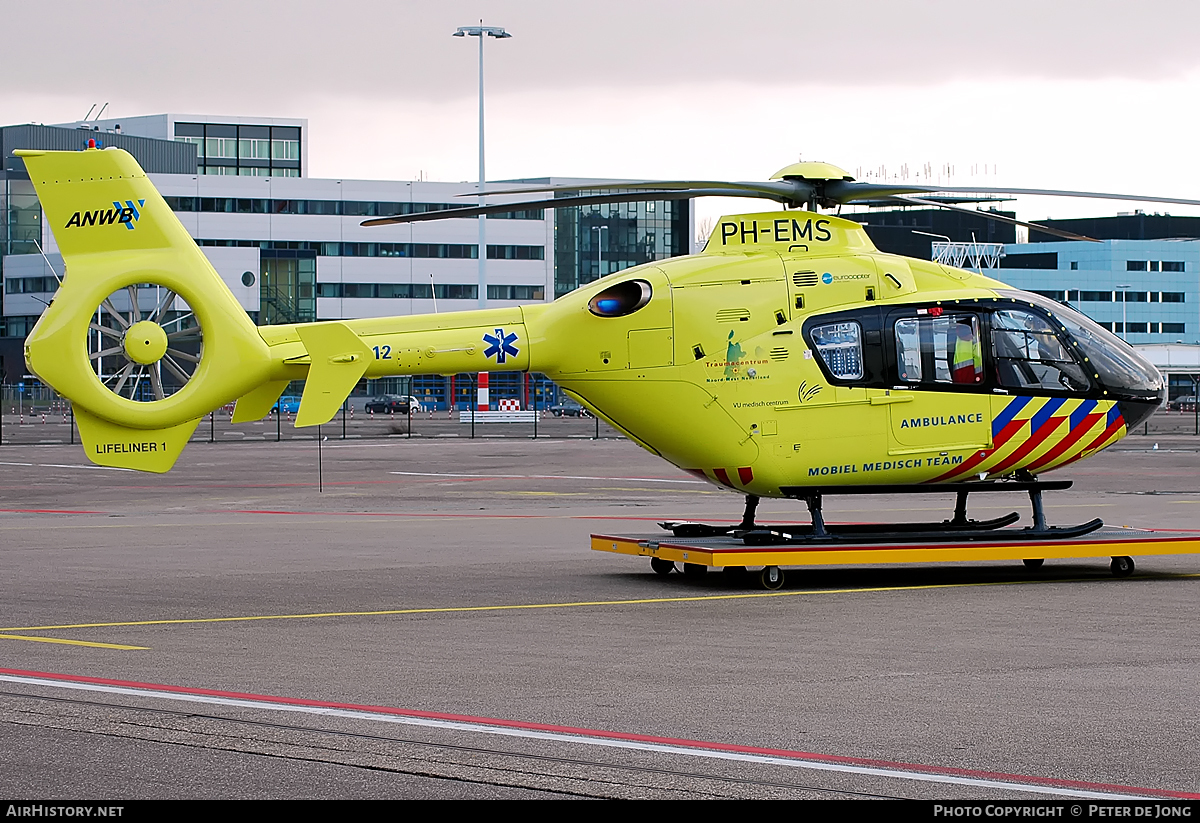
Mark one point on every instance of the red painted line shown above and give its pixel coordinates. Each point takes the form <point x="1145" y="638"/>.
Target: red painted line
<point x="611" y="735"/>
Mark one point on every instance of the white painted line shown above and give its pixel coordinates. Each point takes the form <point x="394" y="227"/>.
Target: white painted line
<point x="581" y="739"/>
<point x="83" y="466"/>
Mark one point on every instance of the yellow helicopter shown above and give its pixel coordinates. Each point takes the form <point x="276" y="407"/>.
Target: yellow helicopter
<point x="790" y="358"/>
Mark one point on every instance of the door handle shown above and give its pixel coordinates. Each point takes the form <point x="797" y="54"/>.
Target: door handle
<point x="885" y="399"/>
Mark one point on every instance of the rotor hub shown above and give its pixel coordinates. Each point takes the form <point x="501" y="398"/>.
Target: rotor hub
<point x="145" y="342"/>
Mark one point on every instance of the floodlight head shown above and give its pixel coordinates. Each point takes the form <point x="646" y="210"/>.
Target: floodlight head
<point x="479" y="31"/>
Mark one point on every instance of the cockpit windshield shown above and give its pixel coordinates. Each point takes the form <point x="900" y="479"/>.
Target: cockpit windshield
<point x="1118" y="365"/>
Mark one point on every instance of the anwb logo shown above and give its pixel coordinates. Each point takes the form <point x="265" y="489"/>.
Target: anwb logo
<point x="126" y="214"/>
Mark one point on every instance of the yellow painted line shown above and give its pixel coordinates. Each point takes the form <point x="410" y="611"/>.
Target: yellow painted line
<point x="568" y="605"/>
<point x="72" y="642"/>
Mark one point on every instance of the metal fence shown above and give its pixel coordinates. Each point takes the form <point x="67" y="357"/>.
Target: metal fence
<point x="36" y="414"/>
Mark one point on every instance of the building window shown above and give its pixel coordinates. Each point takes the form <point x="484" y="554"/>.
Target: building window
<point x="1135" y="328"/>
<point x="1153" y="265"/>
<point x="1172" y="265"/>
<point x="31" y="285"/>
<point x="1173" y="328"/>
<point x="1053" y="295"/>
<point x="1135" y="265"/>
<point x="1095" y="297"/>
<point x="516" y="253"/>
<point x="285" y="149"/>
<point x="220" y="147"/>
<point x="254" y="149"/>
<point x="527" y="214"/>
<point x="1173" y="297"/>
<point x="516" y="292"/>
<point x="1074" y="265"/>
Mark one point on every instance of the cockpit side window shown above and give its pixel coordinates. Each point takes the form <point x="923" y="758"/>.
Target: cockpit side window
<point x="1029" y="355"/>
<point x="840" y="347"/>
<point x="939" y="349"/>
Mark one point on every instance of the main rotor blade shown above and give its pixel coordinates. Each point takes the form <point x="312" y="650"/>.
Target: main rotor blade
<point x="849" y="191"/>
<point x="565" y="202"/>
<point x="1140" y="198"/>
<point x="998" y="218"/>
<point x="769" y="188"/>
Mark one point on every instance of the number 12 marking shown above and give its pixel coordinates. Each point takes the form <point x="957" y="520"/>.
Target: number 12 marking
<point x="383" y="352"/>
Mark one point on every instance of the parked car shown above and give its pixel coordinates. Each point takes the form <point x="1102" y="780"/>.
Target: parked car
<point x="288" y="404"/>
<point x="1187" y="402"/>
<point x="569" y="408"/>
<point x="400" y="404"/>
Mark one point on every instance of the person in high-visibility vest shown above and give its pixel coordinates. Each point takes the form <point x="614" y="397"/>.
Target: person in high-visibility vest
<point x="968" y="356"/>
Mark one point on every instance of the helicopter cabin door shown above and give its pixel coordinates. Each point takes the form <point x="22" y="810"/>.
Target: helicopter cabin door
<point x="940" y="401"/>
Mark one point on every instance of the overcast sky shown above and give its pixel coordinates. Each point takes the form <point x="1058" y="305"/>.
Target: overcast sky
<point x="1087" y="95"/>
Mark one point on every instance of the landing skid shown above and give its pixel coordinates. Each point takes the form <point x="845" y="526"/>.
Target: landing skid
<point x="958" y="528"/>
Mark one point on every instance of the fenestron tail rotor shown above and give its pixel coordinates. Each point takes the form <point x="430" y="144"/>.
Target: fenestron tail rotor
<point x="149" y="350"/>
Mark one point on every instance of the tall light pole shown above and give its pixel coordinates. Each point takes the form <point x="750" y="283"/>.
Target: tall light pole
<point x="481" y="31"/>
<point x="599" y="249"/>
<point x="1124" y="302"/>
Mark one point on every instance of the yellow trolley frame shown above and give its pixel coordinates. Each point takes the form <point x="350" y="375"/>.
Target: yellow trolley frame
<point x="698" y="554"/>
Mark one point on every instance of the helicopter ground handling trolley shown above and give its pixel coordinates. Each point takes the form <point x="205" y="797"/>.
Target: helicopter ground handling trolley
<point x="735" y="549"/>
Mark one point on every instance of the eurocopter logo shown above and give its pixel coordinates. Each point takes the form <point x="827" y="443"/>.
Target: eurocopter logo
<point x="127" y="214"/>
<point x="828" y="278"/>
<point x="500" y="345"/>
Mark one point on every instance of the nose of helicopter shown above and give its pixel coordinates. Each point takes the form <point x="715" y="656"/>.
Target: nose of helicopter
<point x="1136" y="412"/>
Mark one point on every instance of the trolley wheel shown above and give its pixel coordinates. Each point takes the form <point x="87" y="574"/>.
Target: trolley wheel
<point x="1033" y="562"/>
<point x="694" y="570"/>
<point x="663" y="567"/>
<point x="772" y="578"/>
<point x="1122" y="566"/>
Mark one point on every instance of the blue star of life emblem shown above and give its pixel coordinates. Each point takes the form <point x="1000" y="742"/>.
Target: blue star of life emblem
<point x="500" y="345"/>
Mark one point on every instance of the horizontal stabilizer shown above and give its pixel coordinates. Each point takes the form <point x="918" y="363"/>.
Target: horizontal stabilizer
<point x="339" y="359"/>
<point x="147" y="450"/>
<point x="256" y="404"/>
